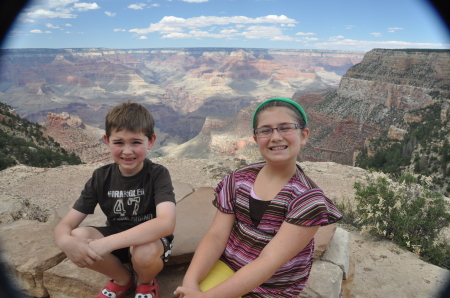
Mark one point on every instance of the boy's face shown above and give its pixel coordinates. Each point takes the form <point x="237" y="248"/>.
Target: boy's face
<point x="129" y="149"/>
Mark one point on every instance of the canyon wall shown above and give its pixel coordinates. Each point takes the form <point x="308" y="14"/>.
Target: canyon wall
<point x="373" y="99"/>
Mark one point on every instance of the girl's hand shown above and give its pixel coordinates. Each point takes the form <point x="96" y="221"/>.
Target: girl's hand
<point x="185" y="292"/>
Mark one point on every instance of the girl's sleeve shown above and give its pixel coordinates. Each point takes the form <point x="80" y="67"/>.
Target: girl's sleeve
<point x="312" y="208"/>
<point x="225" y="194"/>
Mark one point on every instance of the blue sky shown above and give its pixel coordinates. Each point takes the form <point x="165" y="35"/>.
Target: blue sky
<point x="355" y="25"/>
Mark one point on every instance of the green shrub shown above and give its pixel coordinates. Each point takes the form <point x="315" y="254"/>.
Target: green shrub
<point x="405" y="212"/>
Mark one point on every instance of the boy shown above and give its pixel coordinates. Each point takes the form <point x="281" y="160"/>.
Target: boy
<point x="137" y="197"/>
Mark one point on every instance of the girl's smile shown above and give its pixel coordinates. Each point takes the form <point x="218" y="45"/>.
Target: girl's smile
<point x="280" y="147"/>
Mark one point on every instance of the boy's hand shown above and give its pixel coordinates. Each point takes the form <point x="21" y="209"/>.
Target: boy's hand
<point x="79" y="252"/>
<point x="100" y="246"/>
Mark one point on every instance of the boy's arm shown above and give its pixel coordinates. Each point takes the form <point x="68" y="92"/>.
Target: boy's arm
<point x="161" y="226"/>
<point x="75" y="248"/>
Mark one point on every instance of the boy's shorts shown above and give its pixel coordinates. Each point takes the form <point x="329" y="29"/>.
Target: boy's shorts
<point x="123" y="254"/>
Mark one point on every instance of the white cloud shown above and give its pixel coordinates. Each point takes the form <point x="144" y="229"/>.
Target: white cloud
<point x="48" y="31"/>
<point x="256" y="32"/>
<point x="137" y="6"/>
<point x="349" y="26"/>
<point x="310" y="38"/>
<point x="110" y="14"/>
<point x="143" y="37"/>
<point x="228" y="31"/>
<point x="49" y="25"/>
<point x="394" y="29"/>
<point x="68" y="25"/>
<point x="376" y="34"/>
<point x="171" y="24"/>
<point x="43" y="13"/>
<point x="282" y="38"/>
<point x="118" y="29"/>
<point x="290" y="25"/>
<point x="36" y="31"/>
<point x="362" y="45"/>
<point x="195" y="1"/>
<point x="155" y="5"/>
<point x="85" y="6"/>
<point x="334" y="38"/>
<point x="177" y="35"/>
<point x="51" y="9"/>
<point x="305" y="33"/>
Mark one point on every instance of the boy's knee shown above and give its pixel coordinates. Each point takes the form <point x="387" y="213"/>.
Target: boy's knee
<point x="147" y="253"/>
<point x="86" y="232"/>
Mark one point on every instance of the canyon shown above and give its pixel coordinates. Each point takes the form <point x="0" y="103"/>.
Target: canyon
<point x="185" y="89"/>
<point x="203" y="99"/>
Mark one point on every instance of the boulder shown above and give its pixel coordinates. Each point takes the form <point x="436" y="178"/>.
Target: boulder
<point x="339" y="251"/>
<point x="11" y="208"/>
<point x="194" y="213"/>
<point x="325" y="281"/>
<point x="66" y="280"/>
<point x="28" y="251"/>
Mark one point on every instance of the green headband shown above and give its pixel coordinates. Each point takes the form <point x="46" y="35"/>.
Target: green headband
<point x="296" y="105"/>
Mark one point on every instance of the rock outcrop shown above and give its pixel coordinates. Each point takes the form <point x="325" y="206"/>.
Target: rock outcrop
<point x="74" y="136"/>
<point x="347" y="264"/>
<point x="373" y="98"/>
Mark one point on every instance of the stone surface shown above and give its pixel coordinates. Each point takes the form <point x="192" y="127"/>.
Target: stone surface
<point x="66" y="280"/>
<point x="28" y="250"/>
<point x="382" y="269"/>
<point x="194" y="213"/>
<point x="338" y="252"/>
<point x="325" y="281"/>
<point x="322" y="239"/>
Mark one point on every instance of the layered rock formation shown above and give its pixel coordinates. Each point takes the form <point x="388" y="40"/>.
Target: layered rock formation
<point x="373" y="98"/>
<point x="180" y="78"/>
<point x="74" y="136"/>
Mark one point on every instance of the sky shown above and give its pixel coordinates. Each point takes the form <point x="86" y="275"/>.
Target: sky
<point x="352" y="25"/>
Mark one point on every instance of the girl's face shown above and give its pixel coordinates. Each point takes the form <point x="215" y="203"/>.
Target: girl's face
<point x="280" y="148"/>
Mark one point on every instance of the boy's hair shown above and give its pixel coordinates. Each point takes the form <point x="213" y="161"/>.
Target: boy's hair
<point x="298" y="111"/>
<point x="130" y="116"/>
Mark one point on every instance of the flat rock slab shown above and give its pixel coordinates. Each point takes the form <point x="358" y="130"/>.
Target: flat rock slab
<point x="28" y="251"/>
<point x="66" y="280"/>
<point x="195" y="214"/>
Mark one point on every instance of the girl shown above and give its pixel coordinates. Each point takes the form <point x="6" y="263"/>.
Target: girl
<point x="261" y="243"/>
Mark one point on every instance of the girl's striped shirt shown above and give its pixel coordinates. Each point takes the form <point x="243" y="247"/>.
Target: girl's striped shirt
<point x="300" y="202"/>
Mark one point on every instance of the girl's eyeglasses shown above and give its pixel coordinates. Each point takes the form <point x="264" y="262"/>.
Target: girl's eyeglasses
<point x="284" y="129"/>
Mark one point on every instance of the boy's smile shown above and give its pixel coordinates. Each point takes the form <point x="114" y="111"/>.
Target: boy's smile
<point x="129" y="149"/>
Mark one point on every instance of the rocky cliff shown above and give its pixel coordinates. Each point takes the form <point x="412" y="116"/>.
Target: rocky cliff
<point x="373" y="99"/>
<point x="74" y="136"/>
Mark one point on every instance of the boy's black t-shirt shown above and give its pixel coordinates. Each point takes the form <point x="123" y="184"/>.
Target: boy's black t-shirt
<point x="126" y="201"/>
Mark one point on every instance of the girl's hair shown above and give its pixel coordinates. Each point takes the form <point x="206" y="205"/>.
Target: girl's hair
<point x="130" y="116"/>
<point x="300" y="115"/>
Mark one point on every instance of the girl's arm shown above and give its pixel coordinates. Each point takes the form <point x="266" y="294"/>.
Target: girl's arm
<point x="209" y="250"/>
<point x="288" y="242"/>
<point x="161" y="226"/>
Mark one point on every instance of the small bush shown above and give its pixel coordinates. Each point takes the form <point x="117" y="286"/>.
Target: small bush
<point x="405" y="212"/>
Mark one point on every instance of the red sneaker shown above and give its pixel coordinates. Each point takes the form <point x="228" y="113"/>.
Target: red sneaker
<point x="113" y="290"/>
<point x="148" y="291"/>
